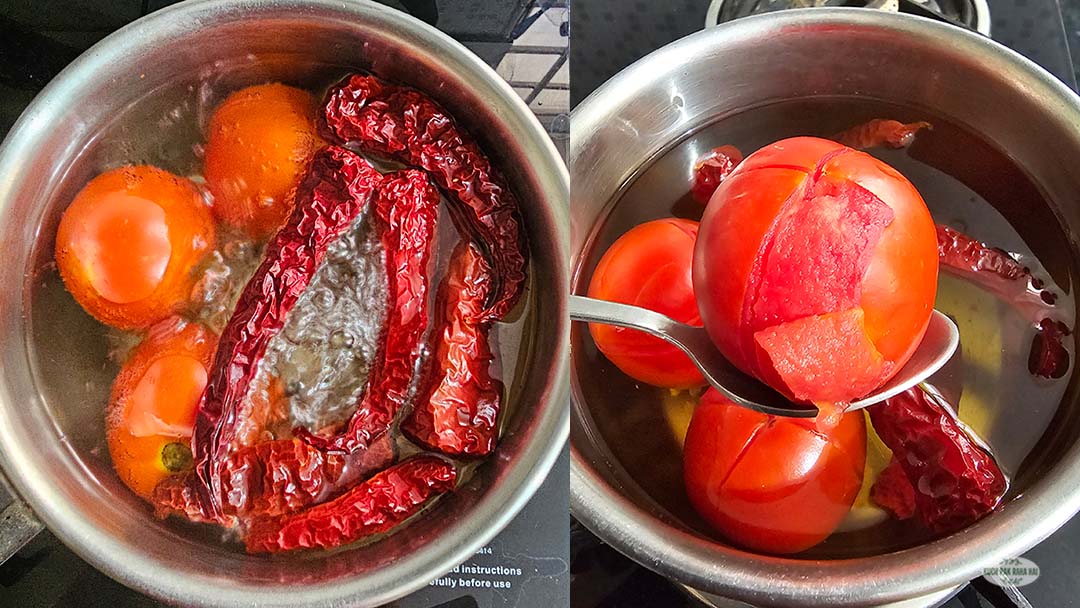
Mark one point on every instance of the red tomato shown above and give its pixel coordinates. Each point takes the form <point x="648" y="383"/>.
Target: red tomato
<point x="127" y="245"/>
<point x="777" y="485"/>
<point x="154" y="399"/>
<point x="649" y="266"/>
<point x="809" y="239"/>
<point x="259" y="143"/>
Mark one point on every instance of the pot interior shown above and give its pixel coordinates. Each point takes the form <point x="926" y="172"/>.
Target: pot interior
<point x="968" y="184"/>
<point x="144" y="96"/>
<point x="993" y="166"/>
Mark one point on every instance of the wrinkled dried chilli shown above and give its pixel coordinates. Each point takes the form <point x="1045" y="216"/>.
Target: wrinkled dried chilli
<point x="408" y="126"/>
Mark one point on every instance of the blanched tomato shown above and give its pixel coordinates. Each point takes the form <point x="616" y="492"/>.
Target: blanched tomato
<point x="649" y="266"/>
<point x="129" y="242"/>
<point x="154" y="398"/>
<point x="260" y="141"/>
<point x="777" y="485"/>
<point x="816" y="269"/>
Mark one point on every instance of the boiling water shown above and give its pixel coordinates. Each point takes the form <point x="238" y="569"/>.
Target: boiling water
<point x="967" y="184"/>
<point x="321" y="354"/>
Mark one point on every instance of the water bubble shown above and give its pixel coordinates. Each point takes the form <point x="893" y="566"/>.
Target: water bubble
<point x="293" y="387"/>
<point x="341" y="339"/>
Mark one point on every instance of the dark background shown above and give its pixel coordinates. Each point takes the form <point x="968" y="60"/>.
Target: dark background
<point x="1070" y="10"/>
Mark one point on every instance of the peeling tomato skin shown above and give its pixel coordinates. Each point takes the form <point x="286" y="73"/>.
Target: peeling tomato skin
<point x="776" y="485"/>
<point x="127" y="245"/>
<point x="905" y="255"/>
<point x="818" y="254"/>
<point x="824" y="357"/>
<point x="758" y="206"/>
<point x="739" y="216"/>
<point x="649" y="266"/>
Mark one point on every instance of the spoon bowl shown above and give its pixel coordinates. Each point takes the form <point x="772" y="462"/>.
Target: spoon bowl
<point x="938" y="346"/>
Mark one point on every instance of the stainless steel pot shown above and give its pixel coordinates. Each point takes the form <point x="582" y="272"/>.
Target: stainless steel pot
<point x="113" y="104"/>
<point x="665" y="98"/>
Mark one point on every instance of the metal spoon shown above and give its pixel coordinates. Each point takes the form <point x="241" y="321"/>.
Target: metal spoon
<point x="938" y="345"/>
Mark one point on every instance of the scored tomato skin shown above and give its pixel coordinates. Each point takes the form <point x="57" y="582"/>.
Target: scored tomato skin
<point x="154" y="400"/>
<point x="730" y="246"/>
<point x="127" y="245"/>
<point x="769" y="484"/>
<point x="899" y="288"/>
<point x="649" y="266"/>
<point x="900" y="280"/>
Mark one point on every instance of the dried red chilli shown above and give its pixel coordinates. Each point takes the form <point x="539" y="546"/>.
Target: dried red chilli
<point x="893" y="491"/>
<point x="273" y="478"/>
<point x="407" y="208"/>
<point x="959" y="252"/>
<point x="1048" y="357"/>
<point x="712" y="169"/>
<point x="999" y="273"/>
<point x="881" y="132"/>
<point x="406" y="125"/>
<point x="337" y="186"/>
<point x="955" y="481"/>
<point x="372" y="507"/>
<point x="457" y="414"/>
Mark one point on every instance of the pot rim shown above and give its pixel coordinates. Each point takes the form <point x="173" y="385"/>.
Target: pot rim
<point x="124" y="561"/>
<point x="703" y="564"/>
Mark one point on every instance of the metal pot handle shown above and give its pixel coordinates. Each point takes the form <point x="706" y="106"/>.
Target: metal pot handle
<point x="18" y="524"/>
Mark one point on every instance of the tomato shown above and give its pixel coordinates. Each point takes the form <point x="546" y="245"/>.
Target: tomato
<point x="154" y="399"/>
<point x="127" y="245"/>
<point x="770" y="484"/>
<point x="804" y="243"/>
<point x="260" y="141"/>
<point x="649" y="266"/>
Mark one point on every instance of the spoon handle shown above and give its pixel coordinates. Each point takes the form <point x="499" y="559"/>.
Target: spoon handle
<point x="612" y="313"/>
<point x="695" y="342"/>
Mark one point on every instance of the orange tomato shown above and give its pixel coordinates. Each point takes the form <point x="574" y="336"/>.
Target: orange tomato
<point x="260" y="141"/>
<point x="778" y="485"/>
<point x="154" y="400"/>
<point x="649" y="266"/>
<point x="127" y="244"/>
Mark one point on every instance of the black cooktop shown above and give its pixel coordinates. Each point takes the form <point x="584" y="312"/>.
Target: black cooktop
<point x="526" y="565"/>
<point x="619" y="33"/>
